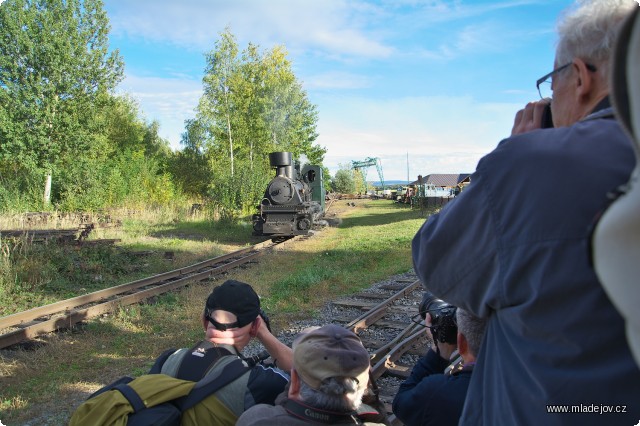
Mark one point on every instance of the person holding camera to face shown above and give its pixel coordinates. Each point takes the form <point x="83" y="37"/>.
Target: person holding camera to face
<point x="554" y="340"/>
<point x="231" y="319"/>
<point x="432" y="395"/>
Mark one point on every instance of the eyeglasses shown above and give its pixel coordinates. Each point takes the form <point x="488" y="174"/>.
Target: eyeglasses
<point x="544" y="83"/>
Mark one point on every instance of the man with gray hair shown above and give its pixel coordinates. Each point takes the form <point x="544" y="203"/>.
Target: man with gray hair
<point x="431" y="395"/>
<point x="329" y="377"/>
<point x="555" y="350"/>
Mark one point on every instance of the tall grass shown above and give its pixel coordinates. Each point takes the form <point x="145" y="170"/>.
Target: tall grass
<point x="34" y="274"/>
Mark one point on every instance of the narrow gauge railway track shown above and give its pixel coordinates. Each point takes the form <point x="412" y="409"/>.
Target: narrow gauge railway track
<point x="29" y="324"/>
<point x="394" y="342"/>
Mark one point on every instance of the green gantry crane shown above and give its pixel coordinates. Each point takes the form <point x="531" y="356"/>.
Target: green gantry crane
<point x="364" y="165"/>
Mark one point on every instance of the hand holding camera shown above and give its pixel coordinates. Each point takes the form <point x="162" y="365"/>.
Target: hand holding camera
<point x="440" y="319"/>
<point x="445" y="350"/>
<point x="535" y="115"/>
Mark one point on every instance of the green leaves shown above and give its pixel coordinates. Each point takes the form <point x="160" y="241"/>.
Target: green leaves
<point x="343" y="181"/>
<point x="252" y="105"/>
<point x="54" y="71"/>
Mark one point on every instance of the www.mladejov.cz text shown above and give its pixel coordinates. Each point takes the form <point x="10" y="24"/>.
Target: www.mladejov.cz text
<point x="587" y="408"/>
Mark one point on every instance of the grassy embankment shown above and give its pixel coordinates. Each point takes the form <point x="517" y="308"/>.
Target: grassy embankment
<point x="371" y="243"/>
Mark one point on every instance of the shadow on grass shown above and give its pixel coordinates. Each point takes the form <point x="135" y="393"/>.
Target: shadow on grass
<point x="225" y="232"/>
<point x="401" y="214"/>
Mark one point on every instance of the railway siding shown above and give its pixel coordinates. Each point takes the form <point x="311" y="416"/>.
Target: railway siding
<point x="23" y="326"/>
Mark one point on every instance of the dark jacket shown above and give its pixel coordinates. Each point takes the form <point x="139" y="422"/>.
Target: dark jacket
<point x="430" y="397"/>
<point x="553" y="341"/>
<point x="282" y="414"/>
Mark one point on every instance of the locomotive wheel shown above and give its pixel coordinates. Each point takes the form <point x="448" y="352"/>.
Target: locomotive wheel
<point x="304" y="224"/>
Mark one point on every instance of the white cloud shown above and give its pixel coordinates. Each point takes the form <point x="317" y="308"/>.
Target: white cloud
<point x="332" y="26"/>
<point x="440" y="134"/>
<point x="337" y="80"/>
<point x="335" y="41"/>
<point x="170" y="101"/>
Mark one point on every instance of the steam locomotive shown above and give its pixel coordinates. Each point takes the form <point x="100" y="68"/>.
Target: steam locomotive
<point x="293" y="201"/>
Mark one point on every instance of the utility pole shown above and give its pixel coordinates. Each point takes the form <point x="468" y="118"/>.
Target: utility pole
<point x="408" y="168"/>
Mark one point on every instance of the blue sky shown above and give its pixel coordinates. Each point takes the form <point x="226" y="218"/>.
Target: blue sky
<point x="436" y="81"/>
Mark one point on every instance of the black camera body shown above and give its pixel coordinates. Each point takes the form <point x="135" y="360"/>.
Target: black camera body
<point x="266" y="319"/>
<point x="547" y="119"/>
<point x="443" y="318"/>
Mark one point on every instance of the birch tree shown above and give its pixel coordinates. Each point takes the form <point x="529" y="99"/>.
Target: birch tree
<point x="54" y="69"/>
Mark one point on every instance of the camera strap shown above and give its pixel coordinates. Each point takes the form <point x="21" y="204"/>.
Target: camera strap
<point x="316" y="415"/>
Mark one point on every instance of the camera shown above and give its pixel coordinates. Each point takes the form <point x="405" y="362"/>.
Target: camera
<point x="443" y="318"/>
<point x="266" y="319"/>
<point x="547" y="120"/>
<point x="254" y="360"/>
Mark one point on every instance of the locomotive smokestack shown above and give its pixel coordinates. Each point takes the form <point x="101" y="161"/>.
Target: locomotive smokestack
<point x="282" y="162"/>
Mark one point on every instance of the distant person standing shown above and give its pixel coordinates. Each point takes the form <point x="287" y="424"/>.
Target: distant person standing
<point x="555" y="351"/>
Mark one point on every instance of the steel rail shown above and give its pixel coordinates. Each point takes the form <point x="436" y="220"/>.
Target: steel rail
<point x="383" y="358"/>
<point x="413" y="335"/>
<point x="392" y="344"/>
<point x="68" y="304"/>
<point x="72" y="315"/>
<point x="379" y="310"/>
<point x="388" y="361"/>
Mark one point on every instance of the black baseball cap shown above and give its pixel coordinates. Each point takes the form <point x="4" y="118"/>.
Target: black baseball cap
<point x="236" y="297"/>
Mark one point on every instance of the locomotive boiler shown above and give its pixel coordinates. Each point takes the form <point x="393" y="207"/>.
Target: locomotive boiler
<point x="293" y="201"/>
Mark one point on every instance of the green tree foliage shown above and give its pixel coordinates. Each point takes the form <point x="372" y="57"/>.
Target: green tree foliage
<point x="55" y="74"/>
<point x="217" y="107"/>
<point x="252" y="105"/>
<point x="327" y="179"/>
<point x="359" y="181"/>
<point x="133" y="168"/>
<point x="343" y="182"/>
<point x="58" y="114"/>
<point x="54" y="67"/>
<point x="190" y="167"/>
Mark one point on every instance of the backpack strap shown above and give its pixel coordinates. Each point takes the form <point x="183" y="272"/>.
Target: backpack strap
<point x="208" y="385"/>
<point x="121" y="381"/>
<point x="157" y="366"/>
<point x="198" y="360"/>
<point x="132" y="396"/>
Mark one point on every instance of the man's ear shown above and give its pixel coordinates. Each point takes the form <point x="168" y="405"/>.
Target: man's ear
<point x="463" y="345"/>
<point x="255" y="325"/>
<point x="294" y="383"/>
<point x="205" y="322"/>
<point x="584" y="83"/>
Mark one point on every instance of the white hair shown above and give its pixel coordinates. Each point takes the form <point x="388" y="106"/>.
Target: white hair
<point x="472" y="328"/>
<point x="340" y="394"/>
<point x="588" y="31"/>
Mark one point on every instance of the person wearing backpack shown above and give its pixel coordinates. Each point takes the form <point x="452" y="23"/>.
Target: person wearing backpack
<point x="210" y="383"/>
<point x="231" y="319"/>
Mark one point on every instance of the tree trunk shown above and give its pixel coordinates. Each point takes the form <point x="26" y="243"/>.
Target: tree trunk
<point x="46" y="199"/>
<point x="230" y="142"/>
